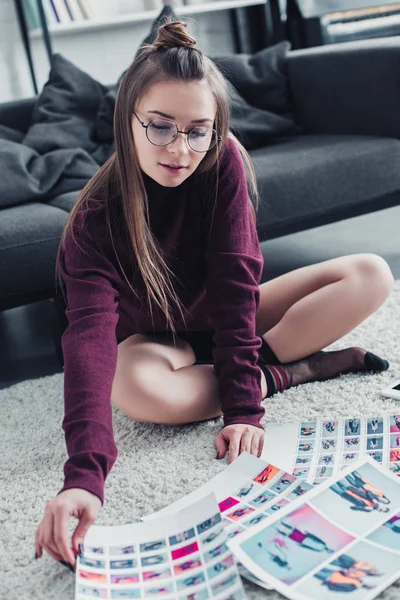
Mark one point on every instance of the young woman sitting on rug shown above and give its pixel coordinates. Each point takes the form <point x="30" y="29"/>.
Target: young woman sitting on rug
<point x="160" y="267"/>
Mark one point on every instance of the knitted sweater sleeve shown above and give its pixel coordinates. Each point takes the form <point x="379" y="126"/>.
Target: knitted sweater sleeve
<point x="90" y="354"/>
<point x="234" y="269"/>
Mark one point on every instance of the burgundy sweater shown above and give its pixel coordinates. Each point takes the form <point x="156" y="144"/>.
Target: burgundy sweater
<point x="219" y="265"/>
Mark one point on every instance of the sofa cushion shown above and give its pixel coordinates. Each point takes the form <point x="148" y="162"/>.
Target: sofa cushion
<point x="65" y="111"/>
<point x="29" y="239"/>
<point x="309" y="180"/>
<point x="64" y="201"/>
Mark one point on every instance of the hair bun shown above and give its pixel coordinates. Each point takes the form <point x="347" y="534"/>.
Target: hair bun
<point x="173" y="34"/>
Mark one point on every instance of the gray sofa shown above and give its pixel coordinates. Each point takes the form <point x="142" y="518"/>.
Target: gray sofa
<point x="346" y="162"/>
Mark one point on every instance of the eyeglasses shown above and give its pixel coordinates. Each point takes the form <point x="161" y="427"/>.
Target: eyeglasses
<point x="161" y="133"/>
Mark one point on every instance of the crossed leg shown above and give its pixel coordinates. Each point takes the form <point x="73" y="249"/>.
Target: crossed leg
<point x="299" y="313"/>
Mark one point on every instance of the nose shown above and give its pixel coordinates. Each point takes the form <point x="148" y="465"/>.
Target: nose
<point x="180" y="143"/>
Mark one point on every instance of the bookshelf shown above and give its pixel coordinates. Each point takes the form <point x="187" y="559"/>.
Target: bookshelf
<point x="243" y="25"/>
<point x="142" y="16"/>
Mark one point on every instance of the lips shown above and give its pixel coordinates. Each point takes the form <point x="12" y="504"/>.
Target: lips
<point x="173" y="166"/>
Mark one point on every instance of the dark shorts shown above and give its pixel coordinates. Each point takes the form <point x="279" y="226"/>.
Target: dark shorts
<point x="200" y="341"/>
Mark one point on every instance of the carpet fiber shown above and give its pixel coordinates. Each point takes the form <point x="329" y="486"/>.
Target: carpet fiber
<point x="156" y="464"/>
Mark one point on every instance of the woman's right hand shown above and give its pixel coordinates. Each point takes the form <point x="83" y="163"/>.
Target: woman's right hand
<point x="52" y="532"/>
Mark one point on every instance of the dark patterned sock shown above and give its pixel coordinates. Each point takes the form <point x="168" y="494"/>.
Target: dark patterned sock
<point x="267" y="355"/>
<point x="275" y="378"/>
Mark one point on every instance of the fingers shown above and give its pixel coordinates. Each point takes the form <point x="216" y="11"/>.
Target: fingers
<point x="61" y="518"/>
<point x="234" y="447"/>
<point x="46" y="538"/>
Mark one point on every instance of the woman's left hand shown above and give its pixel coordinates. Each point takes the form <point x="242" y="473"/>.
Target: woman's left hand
<point x="239" y="438"/>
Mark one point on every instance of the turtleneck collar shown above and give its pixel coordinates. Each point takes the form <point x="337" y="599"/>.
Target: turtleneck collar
<point x="156" y="190"/>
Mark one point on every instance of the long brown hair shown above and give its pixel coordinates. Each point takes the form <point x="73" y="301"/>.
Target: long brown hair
<point x="172" y="57"/>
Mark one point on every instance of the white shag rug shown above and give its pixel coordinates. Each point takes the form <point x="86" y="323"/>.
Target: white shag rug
<point x="156" y="464"/>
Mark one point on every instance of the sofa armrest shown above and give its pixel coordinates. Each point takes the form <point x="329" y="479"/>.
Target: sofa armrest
<point x="17" y="114"/>
<point x="348" y="88"/>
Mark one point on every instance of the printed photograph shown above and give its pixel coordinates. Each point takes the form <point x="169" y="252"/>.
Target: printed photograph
<point x="129" y="593"/>
<point x="394" y="455"/>
<point x="388" y="534"/>
<point x="306" y="447"/>
<point x="209" y="523"/>
<point x="326" y="459"/>
<point x="92" y="562"/>
<point x="134" y="577"/>
<point x="376" y="455"/>
<point x="328" y="444"/>
<point x="395" y="467"/>
<point x="303" y="460"/>
<point x="352" y="427"/>
<point x="282" y="483"/>
<point x="308" y="429"/>
<point x="95" y="592"/>
<point x="262" y="498"/>
<point x="212" y="535"/>
<point x="324" y="471"/>
<point x="150" y="592"/>
<point x="299" y="490"/>
<point x="131" y="549"/>
<point x="214" y="552"/>
<point x="235" y="531"/>
<point x="182" y="537"/>
<point x="266" y="474"/>
<point x="245" y="490"/>
<point x="226" y="583"/>
<point x="330" y="428"/>
<point x="361" y="569"/>
<point x="240" y="512"/>
<point x="255" y="520"/>
<point x="147" y="561"/>
<point x="184" y="551"/>
<point x="395" y="440"/>
<point x="375" y="426"/>
<point x="123" y="564"/>
<point x="94" y="549"/>
<point x="152" y="546"/>
<point x="395" y="424"/>
<point x="277" y="506"/>
<point x="292" y="546"/>
<point x="197" y="595"/>
<point x="374" y="442"/>
<point x="352" y="443"/>
<point x="218" y="568"/>
<point x="90" y="576"/>
<point x="197" y="579"/>
<point x="187" y="565"/>
<point x="301" y="472"/>
<point x="349" y="457"/>
<point x="227" y="504"/>
<point x="359" y="500"/>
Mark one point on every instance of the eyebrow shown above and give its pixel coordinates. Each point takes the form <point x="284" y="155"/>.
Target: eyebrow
<point x="158" y="112"/>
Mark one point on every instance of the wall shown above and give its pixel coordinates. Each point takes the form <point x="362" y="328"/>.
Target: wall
<point x="103" y="53"/>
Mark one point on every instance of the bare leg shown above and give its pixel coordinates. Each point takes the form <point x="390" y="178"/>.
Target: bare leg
<point x="308" y="309"/>
<point x="151" y="386"/>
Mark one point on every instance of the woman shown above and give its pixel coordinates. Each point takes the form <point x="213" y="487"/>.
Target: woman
<point x="160" y="267"/>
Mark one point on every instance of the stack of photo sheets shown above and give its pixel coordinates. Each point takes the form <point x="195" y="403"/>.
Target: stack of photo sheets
<point x="341" y="539"/>
<point x="316" y="450"/>
<point x="181" y="551"/>
<point x="263" y="519"/>
<point x="170" y="557"/>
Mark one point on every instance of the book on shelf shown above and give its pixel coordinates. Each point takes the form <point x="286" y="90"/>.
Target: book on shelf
<point x="61" y="10"/>
<point x="74" y="10"/>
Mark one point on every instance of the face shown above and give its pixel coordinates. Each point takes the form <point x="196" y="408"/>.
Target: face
<point x="184" y="103"/>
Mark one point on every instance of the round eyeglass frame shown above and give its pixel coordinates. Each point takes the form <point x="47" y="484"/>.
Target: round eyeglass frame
<point x="187" y="133"/>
